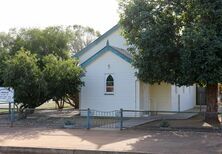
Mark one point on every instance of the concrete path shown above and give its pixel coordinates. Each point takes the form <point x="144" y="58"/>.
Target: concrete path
<point x="138" y="121"/>
<point x="142" y="120"/>
<point x="127" y="140"/>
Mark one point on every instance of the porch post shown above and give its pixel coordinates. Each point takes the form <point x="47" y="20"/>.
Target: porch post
<point x="137" y="97"/>
<point x="88" y="118"/>
<point x="121" y="119"/>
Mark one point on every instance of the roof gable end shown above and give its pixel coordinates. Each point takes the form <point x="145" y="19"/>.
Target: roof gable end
<point x="108" y="48"/>
<point x="98" y="40"/>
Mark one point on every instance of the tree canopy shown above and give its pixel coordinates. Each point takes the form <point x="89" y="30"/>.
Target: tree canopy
<point x="61" y="41"/>
<point x="23" y="74"/>
<point x="51" y="40"/>
<point x="63" y="79"/>
<point x="148" y="27"/>
<point x="81" y="37"/>
<point x="37" y="63"/>
<point x="177" y="42"/>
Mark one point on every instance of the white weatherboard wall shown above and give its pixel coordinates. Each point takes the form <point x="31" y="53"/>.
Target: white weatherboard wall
<point x="93" y="93"/>
<point x="115" y="39"/>
<point x="160" y="96"/>
<point x="129" y="92"/>
<point x="155" y="97"/>
<point x="144" y="96"/>
<point x="187" y="97"/>
<point x="164" y="97"/>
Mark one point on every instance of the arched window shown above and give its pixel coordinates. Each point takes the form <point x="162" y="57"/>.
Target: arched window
<point x="109" y="84"/>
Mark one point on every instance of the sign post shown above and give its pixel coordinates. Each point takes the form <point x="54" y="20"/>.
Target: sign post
<point x="7" y="97"/>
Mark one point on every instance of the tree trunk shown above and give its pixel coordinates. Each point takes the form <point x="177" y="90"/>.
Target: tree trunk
<point x="212" y="104"/>
<point x="70" y="102"/>
<point x="73" y="100"/>
<point x="60" y="104"/>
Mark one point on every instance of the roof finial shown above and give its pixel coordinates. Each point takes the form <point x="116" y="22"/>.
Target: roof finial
<point x="107" y="43"/>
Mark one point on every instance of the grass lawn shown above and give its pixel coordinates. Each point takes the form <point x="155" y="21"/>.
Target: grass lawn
<point x="47" y="105"/>
<point x="3" y="111"/>
<point x="3" y="108"/>
<point x="52" y="105"/>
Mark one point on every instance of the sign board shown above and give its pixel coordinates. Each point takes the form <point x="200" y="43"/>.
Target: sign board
<point x="6" y="95"/>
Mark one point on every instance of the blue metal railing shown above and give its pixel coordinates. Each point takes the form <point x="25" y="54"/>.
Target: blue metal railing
<point x="104" y="119"/>
<point x="88" y="118"/>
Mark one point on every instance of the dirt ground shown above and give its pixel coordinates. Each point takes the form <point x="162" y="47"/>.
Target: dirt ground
<point x="56" y="119"/>
<point x="128" y="140"/>
<point x="196" y="122"/>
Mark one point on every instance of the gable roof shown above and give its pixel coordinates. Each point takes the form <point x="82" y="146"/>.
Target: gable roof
<point x="78" y="54"/>
<point x="123" y="51"/>
<point x="117" y="51"/>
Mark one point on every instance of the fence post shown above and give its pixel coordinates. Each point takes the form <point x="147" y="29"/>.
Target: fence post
<point x="9" y="110"/>
<point x="121" y="119"/>
<point x="88" y="118"/>
<point x="12" y="113"/>
<point x="179" y="103"/>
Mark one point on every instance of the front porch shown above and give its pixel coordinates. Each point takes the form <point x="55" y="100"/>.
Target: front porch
<point x="166" y="97"/>
<point x="155" y="97"/>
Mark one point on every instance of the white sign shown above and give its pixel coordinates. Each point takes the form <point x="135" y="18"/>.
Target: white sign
<point x="6" y="95"/>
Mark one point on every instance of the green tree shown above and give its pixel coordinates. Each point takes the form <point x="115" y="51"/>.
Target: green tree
<point x="37" y="64"/>
<point x="5" y="46"/>
<point x="63" y="80"/>
<point x="80" y="37"/>
<point x="6" y="40"/>
<point x="177" y="42"/>
<point x="23" y="74"/>
<point x="58" y="40"/>
<point x="4" y="56"/>
<point x="42" y="42"/>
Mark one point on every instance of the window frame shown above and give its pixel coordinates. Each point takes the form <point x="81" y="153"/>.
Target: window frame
<point x="105" y="86"/>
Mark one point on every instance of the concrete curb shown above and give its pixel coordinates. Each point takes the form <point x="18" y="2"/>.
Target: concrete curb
<point x="32" y="150"/>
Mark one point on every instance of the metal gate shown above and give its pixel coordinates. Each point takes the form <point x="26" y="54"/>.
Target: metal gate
<point x="105" y="119"/>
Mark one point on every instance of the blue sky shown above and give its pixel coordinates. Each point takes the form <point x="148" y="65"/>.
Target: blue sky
<point x="99" y="14"/>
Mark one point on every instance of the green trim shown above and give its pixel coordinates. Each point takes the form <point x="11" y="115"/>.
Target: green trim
<point x="104" y="50"/>
<point x="78" y="54"/>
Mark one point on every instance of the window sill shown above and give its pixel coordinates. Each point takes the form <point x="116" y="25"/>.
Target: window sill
<point x="108" y="93"/>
